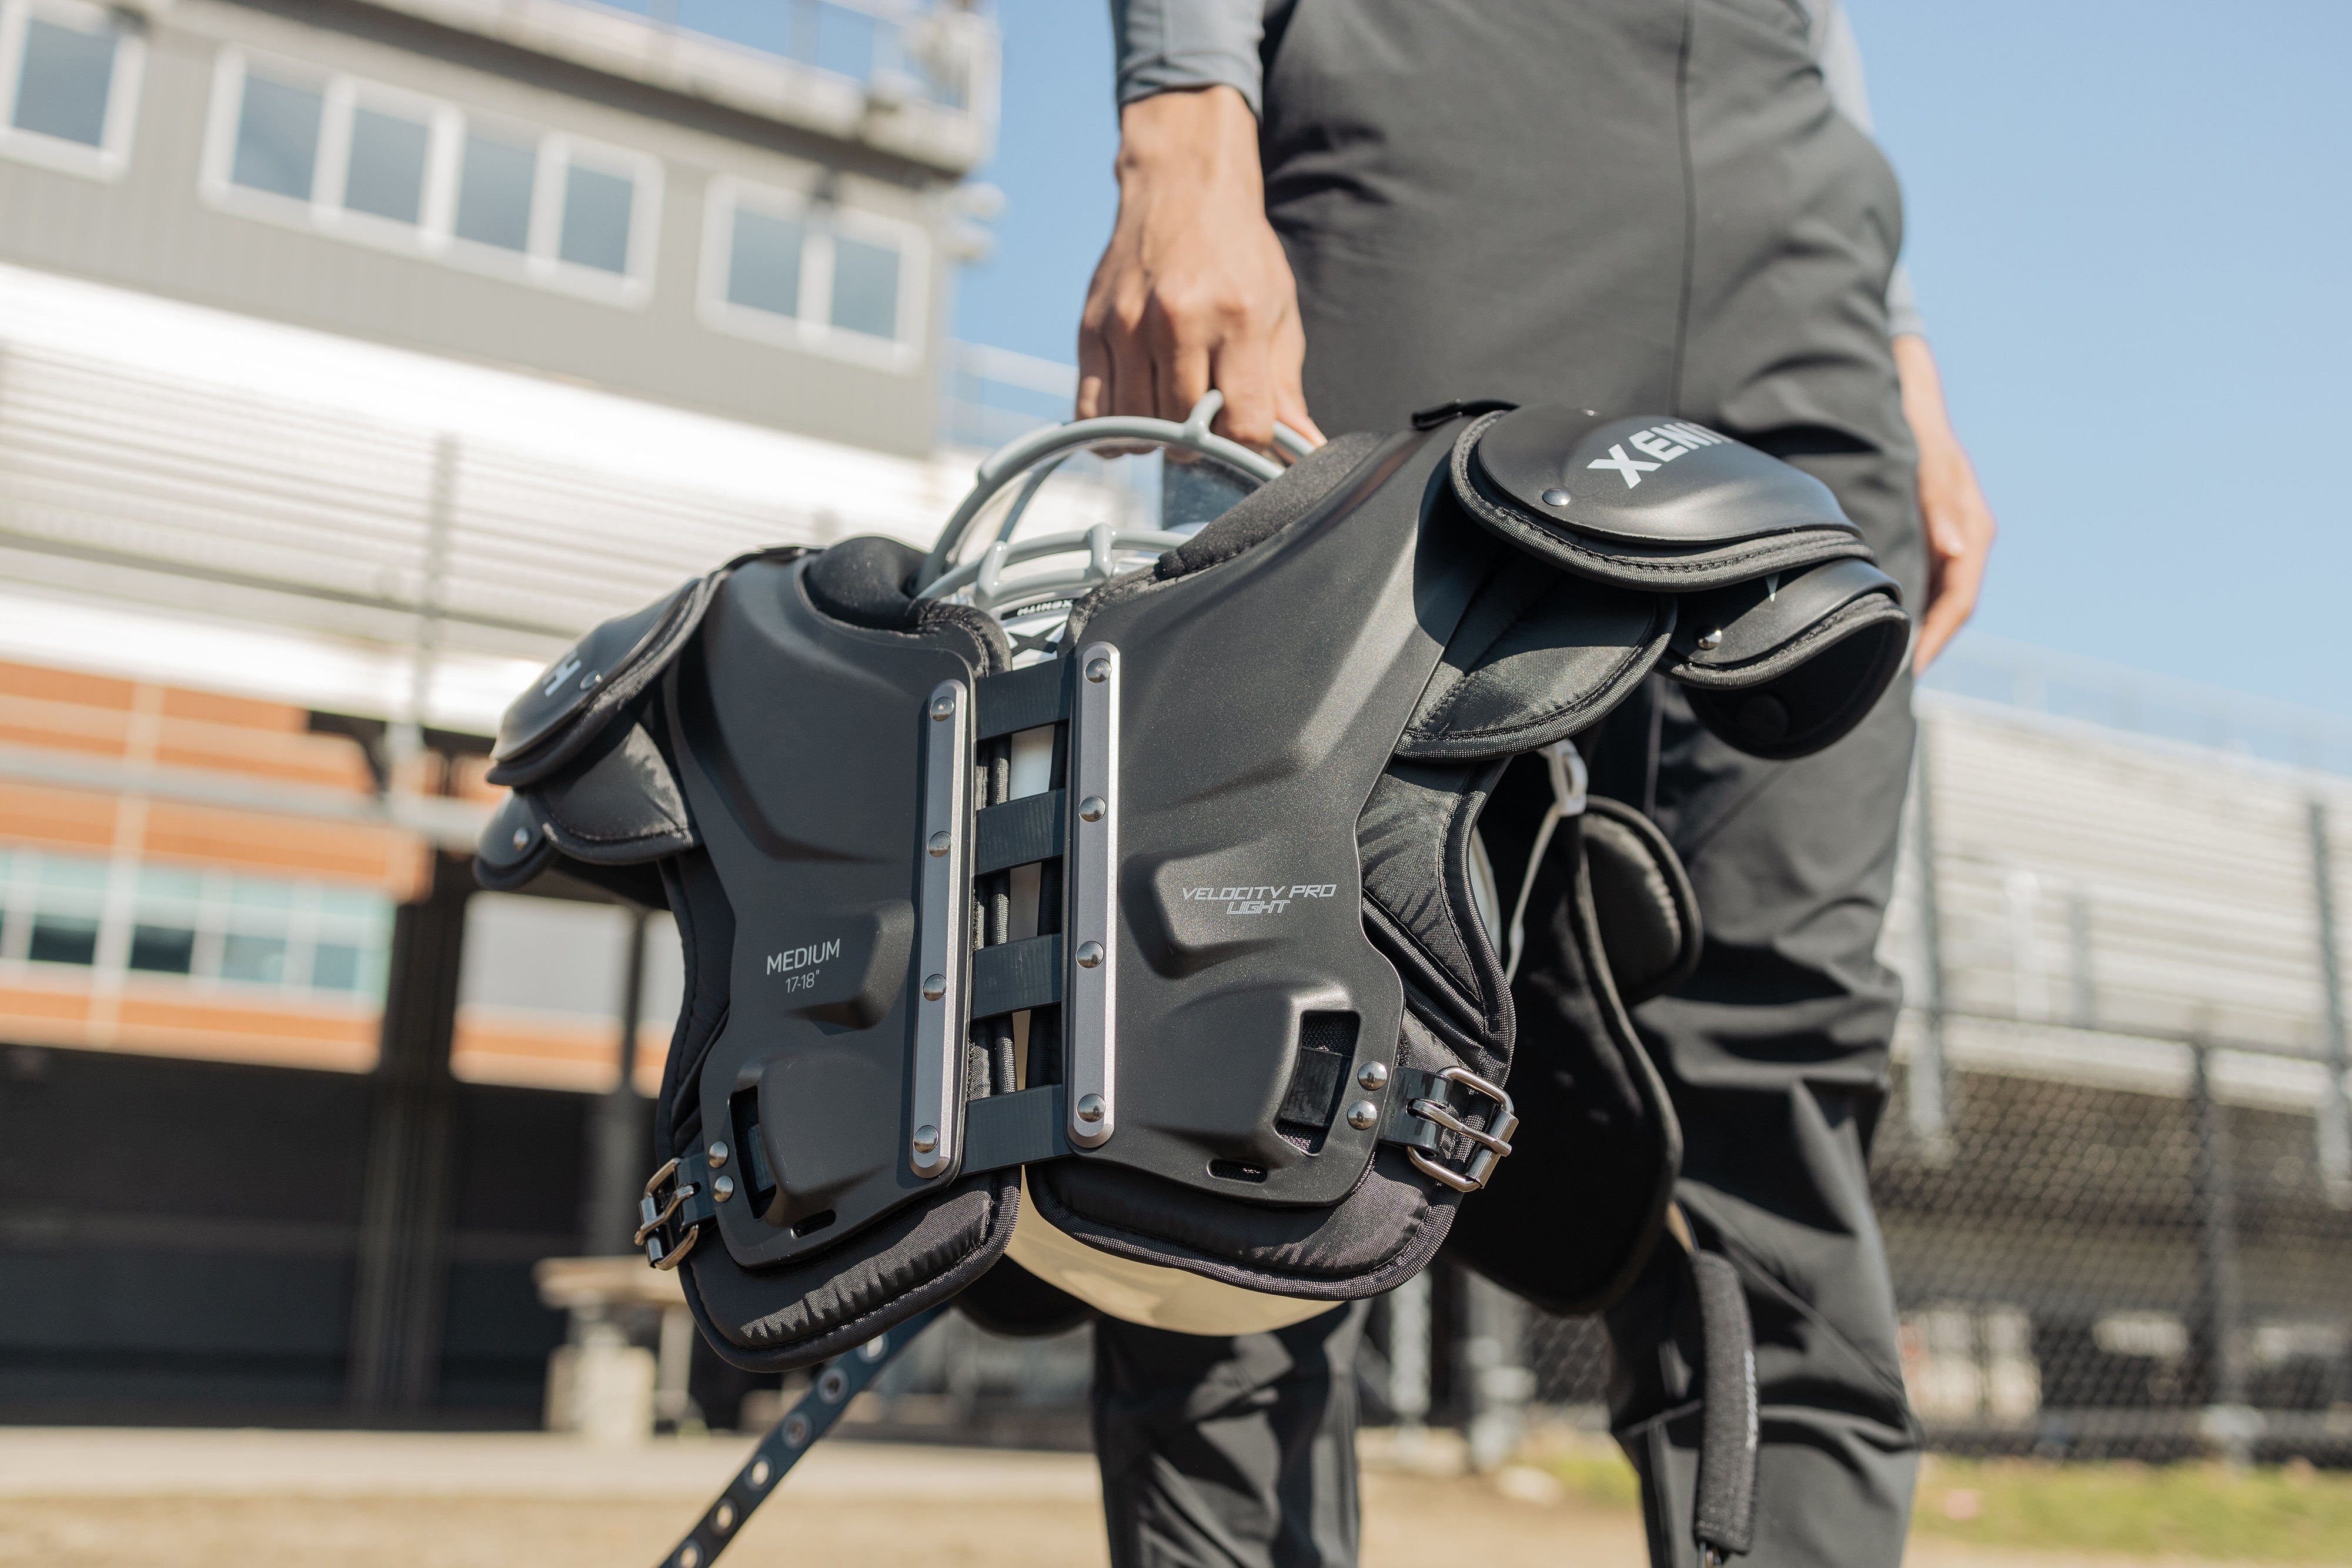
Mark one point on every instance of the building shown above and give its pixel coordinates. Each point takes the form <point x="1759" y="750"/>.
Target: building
<point x="355" y="358"/>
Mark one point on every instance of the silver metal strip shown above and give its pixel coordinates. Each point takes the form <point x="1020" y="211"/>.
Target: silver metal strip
<point x="943" y="955"/>
<point x="1090" y="1001"/>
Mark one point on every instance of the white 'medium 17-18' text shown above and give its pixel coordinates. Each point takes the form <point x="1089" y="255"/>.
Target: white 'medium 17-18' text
<point x="798" y="965"/>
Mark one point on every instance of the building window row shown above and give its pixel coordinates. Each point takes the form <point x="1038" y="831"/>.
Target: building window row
<point x="69" y="85"/>
<point x="383" y="167"/>
<point x="66" y="912"/>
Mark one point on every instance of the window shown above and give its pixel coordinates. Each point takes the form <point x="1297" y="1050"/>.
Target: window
<point x="373" y="163"/>
<point x="214" y="928"/>
<point x="782" y="267"/>
<point x="69" y="85"/>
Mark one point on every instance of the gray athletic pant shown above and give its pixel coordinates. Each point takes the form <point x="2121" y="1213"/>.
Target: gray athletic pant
<point x="1636" y="206"/>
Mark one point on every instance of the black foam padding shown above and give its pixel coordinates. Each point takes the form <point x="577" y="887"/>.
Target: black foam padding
<point x="1011" y="1301"/>
<point x="1821" y="701"/>
<point x="864" y="581"/>
<point x="1650" y="925"/>
<point x="1724" y="1514"/>
<point x="1595" y="1119"/>
<point x="1273" y="507"/>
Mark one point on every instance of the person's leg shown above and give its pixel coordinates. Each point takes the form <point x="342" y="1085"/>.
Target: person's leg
<point x="1229" y="1453"/>
<point x="1774" y="1055"/>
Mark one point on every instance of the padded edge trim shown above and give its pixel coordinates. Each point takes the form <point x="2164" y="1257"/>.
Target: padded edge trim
<point x="1661" y="570"/>
<point x="864" y="1322"/>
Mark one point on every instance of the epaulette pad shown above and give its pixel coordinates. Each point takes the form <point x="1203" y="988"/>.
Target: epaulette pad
<point x="575" y="697"/>
<point x="1782" y="667"/>
<point x="1647" y="502"/>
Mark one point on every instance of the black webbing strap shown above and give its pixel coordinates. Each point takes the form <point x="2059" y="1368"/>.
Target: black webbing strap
<point x="1724" y="1521"/>
<point x="812" y="1418"/>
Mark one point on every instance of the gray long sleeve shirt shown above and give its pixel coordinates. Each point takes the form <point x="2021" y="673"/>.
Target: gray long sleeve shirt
<point x="1168" y="46"/>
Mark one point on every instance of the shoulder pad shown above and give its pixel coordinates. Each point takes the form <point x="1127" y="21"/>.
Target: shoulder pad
<point x="574" y="698"/>
<point x="1648" y="913"/>
<point x="1784" y="666"/>
<point x="1647" y="502"/>
<point x="620" y="809"/>
<point x="514" y="847"/>
<point x="1536" y="658"/>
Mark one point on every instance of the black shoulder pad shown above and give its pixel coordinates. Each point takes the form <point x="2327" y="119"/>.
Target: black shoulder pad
<point x="575" y="698"/>
<point x="514" y="847"/>
<point x="622" y="809"/>
<point x="1784" y="666"/>
<point x="1537" y="657"/>
<point x="1648" y="501"/>
<point x="1648" y="913"/>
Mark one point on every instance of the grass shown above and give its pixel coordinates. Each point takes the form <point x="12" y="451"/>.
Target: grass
<point x="2271" y="1515"/>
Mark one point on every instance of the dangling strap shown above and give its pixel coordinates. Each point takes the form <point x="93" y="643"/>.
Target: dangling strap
<point x="1723" y="1517"/>
<point x="1569" y="784"/>
<point x="791" y="1437"/>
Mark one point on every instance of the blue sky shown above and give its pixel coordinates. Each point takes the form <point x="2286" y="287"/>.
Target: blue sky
<point x="2129" y="227"/>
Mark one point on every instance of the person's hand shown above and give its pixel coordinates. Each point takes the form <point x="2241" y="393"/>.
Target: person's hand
<point x="1193" y="291"/>
<point x="1961" y="525"/>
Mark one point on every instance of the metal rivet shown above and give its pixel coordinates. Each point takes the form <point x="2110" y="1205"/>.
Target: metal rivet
<point x="942" y="708"/>
<point x="927" y="1138"/>
<point x="723" y="1189"/>
<point x="523" y="838"/>
<point x="874" y="1349"/>
<point x="1710" y="641"/>
<point x="1093" y="809"/>
<point x="940" y="840"/>
<point x="1097" y="669"/>
<point x="690" y="1556"/>
<point x="760" y="1471"/>
<point x="934" y="986"/>
<point x="833" y="1385"/>
<point x="1555" y="497"/>
<point x="719" y="1153"/>
<point x="796" y="1429"/>
<point x="1362" y="1114"/>
<point x="1090" y="1108"/>
<point x="1373" y="1074"/>
<point x="722" y="1518"/>
<point x="1089" y="955"/>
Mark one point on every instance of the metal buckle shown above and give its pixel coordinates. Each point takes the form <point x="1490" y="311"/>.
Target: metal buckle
<point x="1492" y="1147"/>
<point x="672" y="1224"/>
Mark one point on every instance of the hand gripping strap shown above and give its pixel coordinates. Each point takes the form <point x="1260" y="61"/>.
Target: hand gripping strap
<point x="1784" y="666"/>
<point x="1647" y="502"/>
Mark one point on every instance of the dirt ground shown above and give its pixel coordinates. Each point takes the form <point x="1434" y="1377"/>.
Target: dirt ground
<point x="190" y="1499"/>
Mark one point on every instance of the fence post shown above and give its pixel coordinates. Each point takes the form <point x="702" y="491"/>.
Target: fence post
<point x="1925" y="1086"/>
<point x="620" y="1154"/>
<point x="2334" y="1119"/>
<point x="1494" y="1352"/>
<point x="2217" y="1340"/>
<point x="1409" y="1352"/>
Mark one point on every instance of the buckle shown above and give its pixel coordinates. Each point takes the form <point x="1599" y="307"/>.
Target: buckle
<point x="675" y="1203"/>
<point x="1491" y="1146"/>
